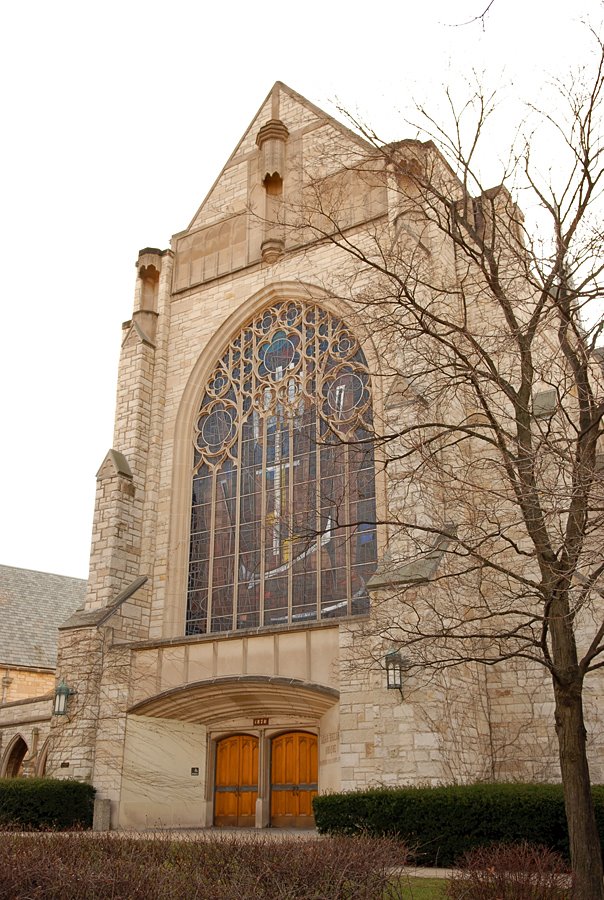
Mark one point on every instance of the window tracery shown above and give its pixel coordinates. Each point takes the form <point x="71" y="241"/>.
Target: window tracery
<point x="283" y="505"/>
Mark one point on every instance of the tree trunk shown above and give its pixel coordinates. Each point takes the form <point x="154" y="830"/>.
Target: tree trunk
<point x="585" y="851"/>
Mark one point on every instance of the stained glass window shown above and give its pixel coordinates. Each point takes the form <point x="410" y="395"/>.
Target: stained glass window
<point x="283" y="507"/>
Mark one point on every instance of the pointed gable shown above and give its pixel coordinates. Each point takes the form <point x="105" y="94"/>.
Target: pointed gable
<point x="228" y="232"/>
<point x="229" y="191"/>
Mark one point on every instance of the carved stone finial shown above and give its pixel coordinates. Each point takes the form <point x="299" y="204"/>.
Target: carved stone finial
<point x="274" y="129"/>
<point x="271" y="140"/>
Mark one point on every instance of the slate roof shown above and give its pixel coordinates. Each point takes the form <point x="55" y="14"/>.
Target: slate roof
<point x="32" y="606"/>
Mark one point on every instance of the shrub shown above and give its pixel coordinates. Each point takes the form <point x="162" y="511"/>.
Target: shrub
<point x="35" y="803"/>
<point x="78" y="867"/>
<point x="510" y="872"/>
<point x="445" y="822"/>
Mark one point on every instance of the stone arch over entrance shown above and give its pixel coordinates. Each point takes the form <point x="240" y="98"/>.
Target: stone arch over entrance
<point x="12" y="764"/>
<point x="232" y="696"/>
<point x="229" y="723"/>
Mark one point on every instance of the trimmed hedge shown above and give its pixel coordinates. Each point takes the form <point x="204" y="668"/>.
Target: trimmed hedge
<point x="228" y="867"/>
<point x="445" y="822"/>
<point x="34" y="803"/>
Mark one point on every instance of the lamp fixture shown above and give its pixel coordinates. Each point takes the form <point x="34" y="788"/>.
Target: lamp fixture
<point x="395" y="666"/>
<point x="62" y="694"/>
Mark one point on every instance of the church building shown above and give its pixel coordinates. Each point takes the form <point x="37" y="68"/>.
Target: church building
<point x="223" y="669"/>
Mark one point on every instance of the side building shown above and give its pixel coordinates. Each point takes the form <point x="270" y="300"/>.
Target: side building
<point x="32" y="606"/>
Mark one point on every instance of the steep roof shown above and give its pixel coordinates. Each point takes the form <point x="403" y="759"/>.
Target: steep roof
<point x="32" y="606"/>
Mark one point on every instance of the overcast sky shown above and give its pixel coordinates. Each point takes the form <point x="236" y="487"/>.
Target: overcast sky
<point x="116" y="119"/>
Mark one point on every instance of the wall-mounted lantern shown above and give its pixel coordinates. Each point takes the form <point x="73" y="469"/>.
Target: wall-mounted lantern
<point x="395" y="666"/>
<point x="62" y="694"/>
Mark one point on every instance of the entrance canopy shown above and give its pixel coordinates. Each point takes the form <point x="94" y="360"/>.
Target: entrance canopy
<point x="232" y="696"/>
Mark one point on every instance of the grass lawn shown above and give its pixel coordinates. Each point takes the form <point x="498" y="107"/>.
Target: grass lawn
<point x="410" y="888"/>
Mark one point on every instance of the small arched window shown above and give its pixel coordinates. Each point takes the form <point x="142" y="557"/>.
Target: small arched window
<point x="283" y="508"/>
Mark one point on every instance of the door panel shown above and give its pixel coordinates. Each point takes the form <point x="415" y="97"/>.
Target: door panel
<point x="236" y="789"/>
<point x="294" y="776"/>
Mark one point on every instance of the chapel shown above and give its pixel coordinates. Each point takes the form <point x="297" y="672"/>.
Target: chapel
<point x="223" y="668"/>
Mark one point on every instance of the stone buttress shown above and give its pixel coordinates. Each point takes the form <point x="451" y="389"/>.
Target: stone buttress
<point x="87" y="743"/>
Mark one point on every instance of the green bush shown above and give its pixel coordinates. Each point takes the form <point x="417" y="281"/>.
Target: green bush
<point x="35" y="803"/>
<point x="445" y="822"/>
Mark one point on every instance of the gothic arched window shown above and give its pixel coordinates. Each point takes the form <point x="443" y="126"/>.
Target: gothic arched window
<point x="283" y="509"/>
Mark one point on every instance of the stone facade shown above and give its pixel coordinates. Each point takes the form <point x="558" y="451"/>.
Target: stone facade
<point x="21" y="683"/>
<point x="152" y="702"/>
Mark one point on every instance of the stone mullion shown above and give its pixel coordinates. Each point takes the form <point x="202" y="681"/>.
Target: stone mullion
<point x="238" y="503"/>
<point x="347" y="529"/>
<point x="319" y="550"/>
<point x="290" y="522"/>
<point x="211" y="553"/>
<point x="263" y="421"/>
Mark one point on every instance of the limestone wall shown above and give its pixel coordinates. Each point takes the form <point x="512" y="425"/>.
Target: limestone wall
<point x="73" y="736"/>
<point x="20" y="683"/>
<point x="164" y="774"/>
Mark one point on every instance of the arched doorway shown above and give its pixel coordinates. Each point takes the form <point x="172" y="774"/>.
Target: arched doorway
<point x="294" y="779"/>
<point x="236" y="784"/>
<point x="16" y="753"/>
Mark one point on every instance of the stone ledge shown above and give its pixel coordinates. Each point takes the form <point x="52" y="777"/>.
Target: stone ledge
<point x="97" y="617"/>
<point x="242" y="633"/>
<point x="418" y="571"/>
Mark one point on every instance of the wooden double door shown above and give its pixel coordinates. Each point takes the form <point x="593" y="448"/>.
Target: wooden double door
<point x="293" y="780"/>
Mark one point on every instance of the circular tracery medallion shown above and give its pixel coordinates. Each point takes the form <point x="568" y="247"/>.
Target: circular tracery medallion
<point x="217" y="429"/>
<point x="345" y="395"/>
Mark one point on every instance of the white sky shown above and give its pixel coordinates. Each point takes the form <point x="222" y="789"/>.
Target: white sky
<point x="116" y="119"/>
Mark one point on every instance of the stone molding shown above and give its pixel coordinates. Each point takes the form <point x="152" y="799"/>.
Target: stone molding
<point x="226" y="696"/>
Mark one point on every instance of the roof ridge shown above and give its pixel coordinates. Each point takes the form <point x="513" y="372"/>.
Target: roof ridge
<point x="43" y="572"/>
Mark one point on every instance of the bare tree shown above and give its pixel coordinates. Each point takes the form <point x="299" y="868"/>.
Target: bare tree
<point x="494" y="403"/>
<point x="479" y="17"/>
